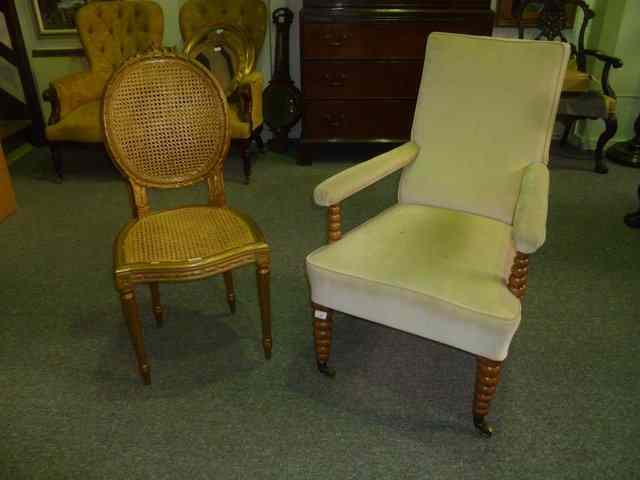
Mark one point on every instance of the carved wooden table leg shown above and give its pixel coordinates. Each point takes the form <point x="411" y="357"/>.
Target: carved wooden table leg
<point x="265" y="307"/>
<point x="157" y="306"/>
<point x="322" y="329"/>
<point x="231" y="294"/>
<point x="487" y="378"/>
<point x="130" y="308"/>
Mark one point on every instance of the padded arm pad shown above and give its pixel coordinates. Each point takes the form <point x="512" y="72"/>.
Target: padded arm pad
<point x="79" y="88"/>
<point x="253" y="82"/>
<point x="530" y="221"/>
<point x="344" y="184"/>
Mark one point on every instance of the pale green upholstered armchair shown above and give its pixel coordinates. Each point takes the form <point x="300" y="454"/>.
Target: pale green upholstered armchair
<point x="449" y="261"/>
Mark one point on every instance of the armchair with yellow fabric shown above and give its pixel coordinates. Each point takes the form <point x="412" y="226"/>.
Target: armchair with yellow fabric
<point x="583" y="96"/>
<point x="245" y="105"/>
<point x="110" y="32"/>
<point x="449" y="261"/>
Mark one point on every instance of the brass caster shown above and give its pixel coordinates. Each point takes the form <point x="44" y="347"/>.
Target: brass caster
<point x="145" y="372"/>
<point x="326" y="370"/>
<point x="482" y="426"/>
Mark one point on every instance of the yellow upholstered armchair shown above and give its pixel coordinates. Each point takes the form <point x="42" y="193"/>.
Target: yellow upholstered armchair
<point x="583" y="96"/>
<point x="245" y="104"/>
<point x="449" y="261"/>
<point x="110" y="32"/>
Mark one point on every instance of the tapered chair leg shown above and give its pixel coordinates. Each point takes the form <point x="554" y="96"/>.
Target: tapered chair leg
<point x="568" y="127"/>
<point x="56" y="157"/>
<point x="611" y="124"/>
<point x="130" y="308"/>
<point x="158" y="311"/>
<point x="258" y="138"/>
<point x="262" y="274"/>
<point x="245" y="153"/>
<point x="231" y="294"/>
<point x="322" y="329"/>
<point x="487" y="379"/>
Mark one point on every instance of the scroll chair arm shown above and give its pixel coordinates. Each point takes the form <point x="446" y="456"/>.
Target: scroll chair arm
<point x="344" y="184"/>
<point x="70" y="92"/>
<point x="250" y="92"/>
<point x="530" y="220"/>
<point x="609" y="61"/>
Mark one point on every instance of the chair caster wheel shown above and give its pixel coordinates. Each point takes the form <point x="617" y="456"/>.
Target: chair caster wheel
<point x="326" y="370"/>
<point x="601" y="169"/>
<point x="482" y="426"/>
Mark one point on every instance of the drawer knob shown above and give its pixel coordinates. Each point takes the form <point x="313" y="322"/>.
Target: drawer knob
<point x="336" y="80"/>
<point x="334" y="120"/>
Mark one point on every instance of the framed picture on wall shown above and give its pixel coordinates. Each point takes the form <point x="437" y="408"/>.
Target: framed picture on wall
<point x="507" y="11"/>
<point x="56" y="17"/>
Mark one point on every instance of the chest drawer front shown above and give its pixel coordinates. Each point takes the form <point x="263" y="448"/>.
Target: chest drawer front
<point x="387" y="41"/>
<point x="358" y="119"/>
<point x="323" y="79"/>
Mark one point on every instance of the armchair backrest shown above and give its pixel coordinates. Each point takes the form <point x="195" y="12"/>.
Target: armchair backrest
<point x="251" y="15"/>
<point x="113" y="31"/>
<point x="485" y="110"/>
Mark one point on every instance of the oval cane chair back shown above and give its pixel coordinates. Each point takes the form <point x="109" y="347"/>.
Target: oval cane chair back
<point x="165" y="120"/>
<point x="226" y="51"/>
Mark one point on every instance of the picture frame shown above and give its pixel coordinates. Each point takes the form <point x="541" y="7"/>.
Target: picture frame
<point x="505" y="13"/>
<point x="56" y="17"/>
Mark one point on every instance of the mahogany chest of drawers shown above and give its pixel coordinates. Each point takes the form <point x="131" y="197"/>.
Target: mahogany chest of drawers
<point x="361" y="63"/>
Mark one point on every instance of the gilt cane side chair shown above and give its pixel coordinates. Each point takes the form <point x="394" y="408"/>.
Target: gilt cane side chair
<point x="110" y="33"/>
<point x="449" y="261"/>
<point x="245" y="105"/>
<point x="583" y="96"/>
<point x="166" y="126"/>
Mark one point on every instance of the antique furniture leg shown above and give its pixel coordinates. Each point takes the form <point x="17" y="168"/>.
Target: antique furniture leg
<point x="155" y="300"/>
<point x="245" y="145"/>
<point x="231" y="294"/>
<point x="130" y="308"/>
<point x="257" y="135"/>
<point x="567" y="122"/>
<point x="611" y="124"/>
<point x="56" y="156"/>
<point x="262" y="274"/>
<point x="487" y="378"/>
<point x="322" y="328"/>
<point x="488" y="371"/>
<point x="632" y="220"/>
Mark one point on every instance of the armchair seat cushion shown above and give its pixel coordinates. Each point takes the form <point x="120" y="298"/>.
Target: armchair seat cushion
<point x="429" y="271"/>
<point x="591" y="104"/>
<point x="81" y="125"/>
<point x="577" y="81"/>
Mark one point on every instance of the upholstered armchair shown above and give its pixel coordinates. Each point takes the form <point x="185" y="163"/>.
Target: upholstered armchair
<point x="110" y="32"/>
<point x="245" y="104"/>
<point x="449" y="261"/>
<point x="583" y="96"/>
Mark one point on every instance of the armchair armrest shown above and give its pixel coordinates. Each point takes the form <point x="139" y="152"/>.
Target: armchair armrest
<point x="530" y="220"/>
<point x="72" y="91"/>
<point x="344" y="184"/>
<point x="609" y="62"/>
<point x="250" y="90"/>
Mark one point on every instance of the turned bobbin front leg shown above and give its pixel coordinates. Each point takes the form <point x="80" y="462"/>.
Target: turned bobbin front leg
<point x="231" y="294"/>
<point x="262" y="274"/>
<point x="487" y="378"/>
<point x="322" y="330"/>
<point x="130" y="309"/>
<point x="158" y="312"/>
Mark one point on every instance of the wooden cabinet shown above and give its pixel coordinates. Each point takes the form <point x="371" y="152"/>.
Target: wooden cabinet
<point x="361" y="64"/>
